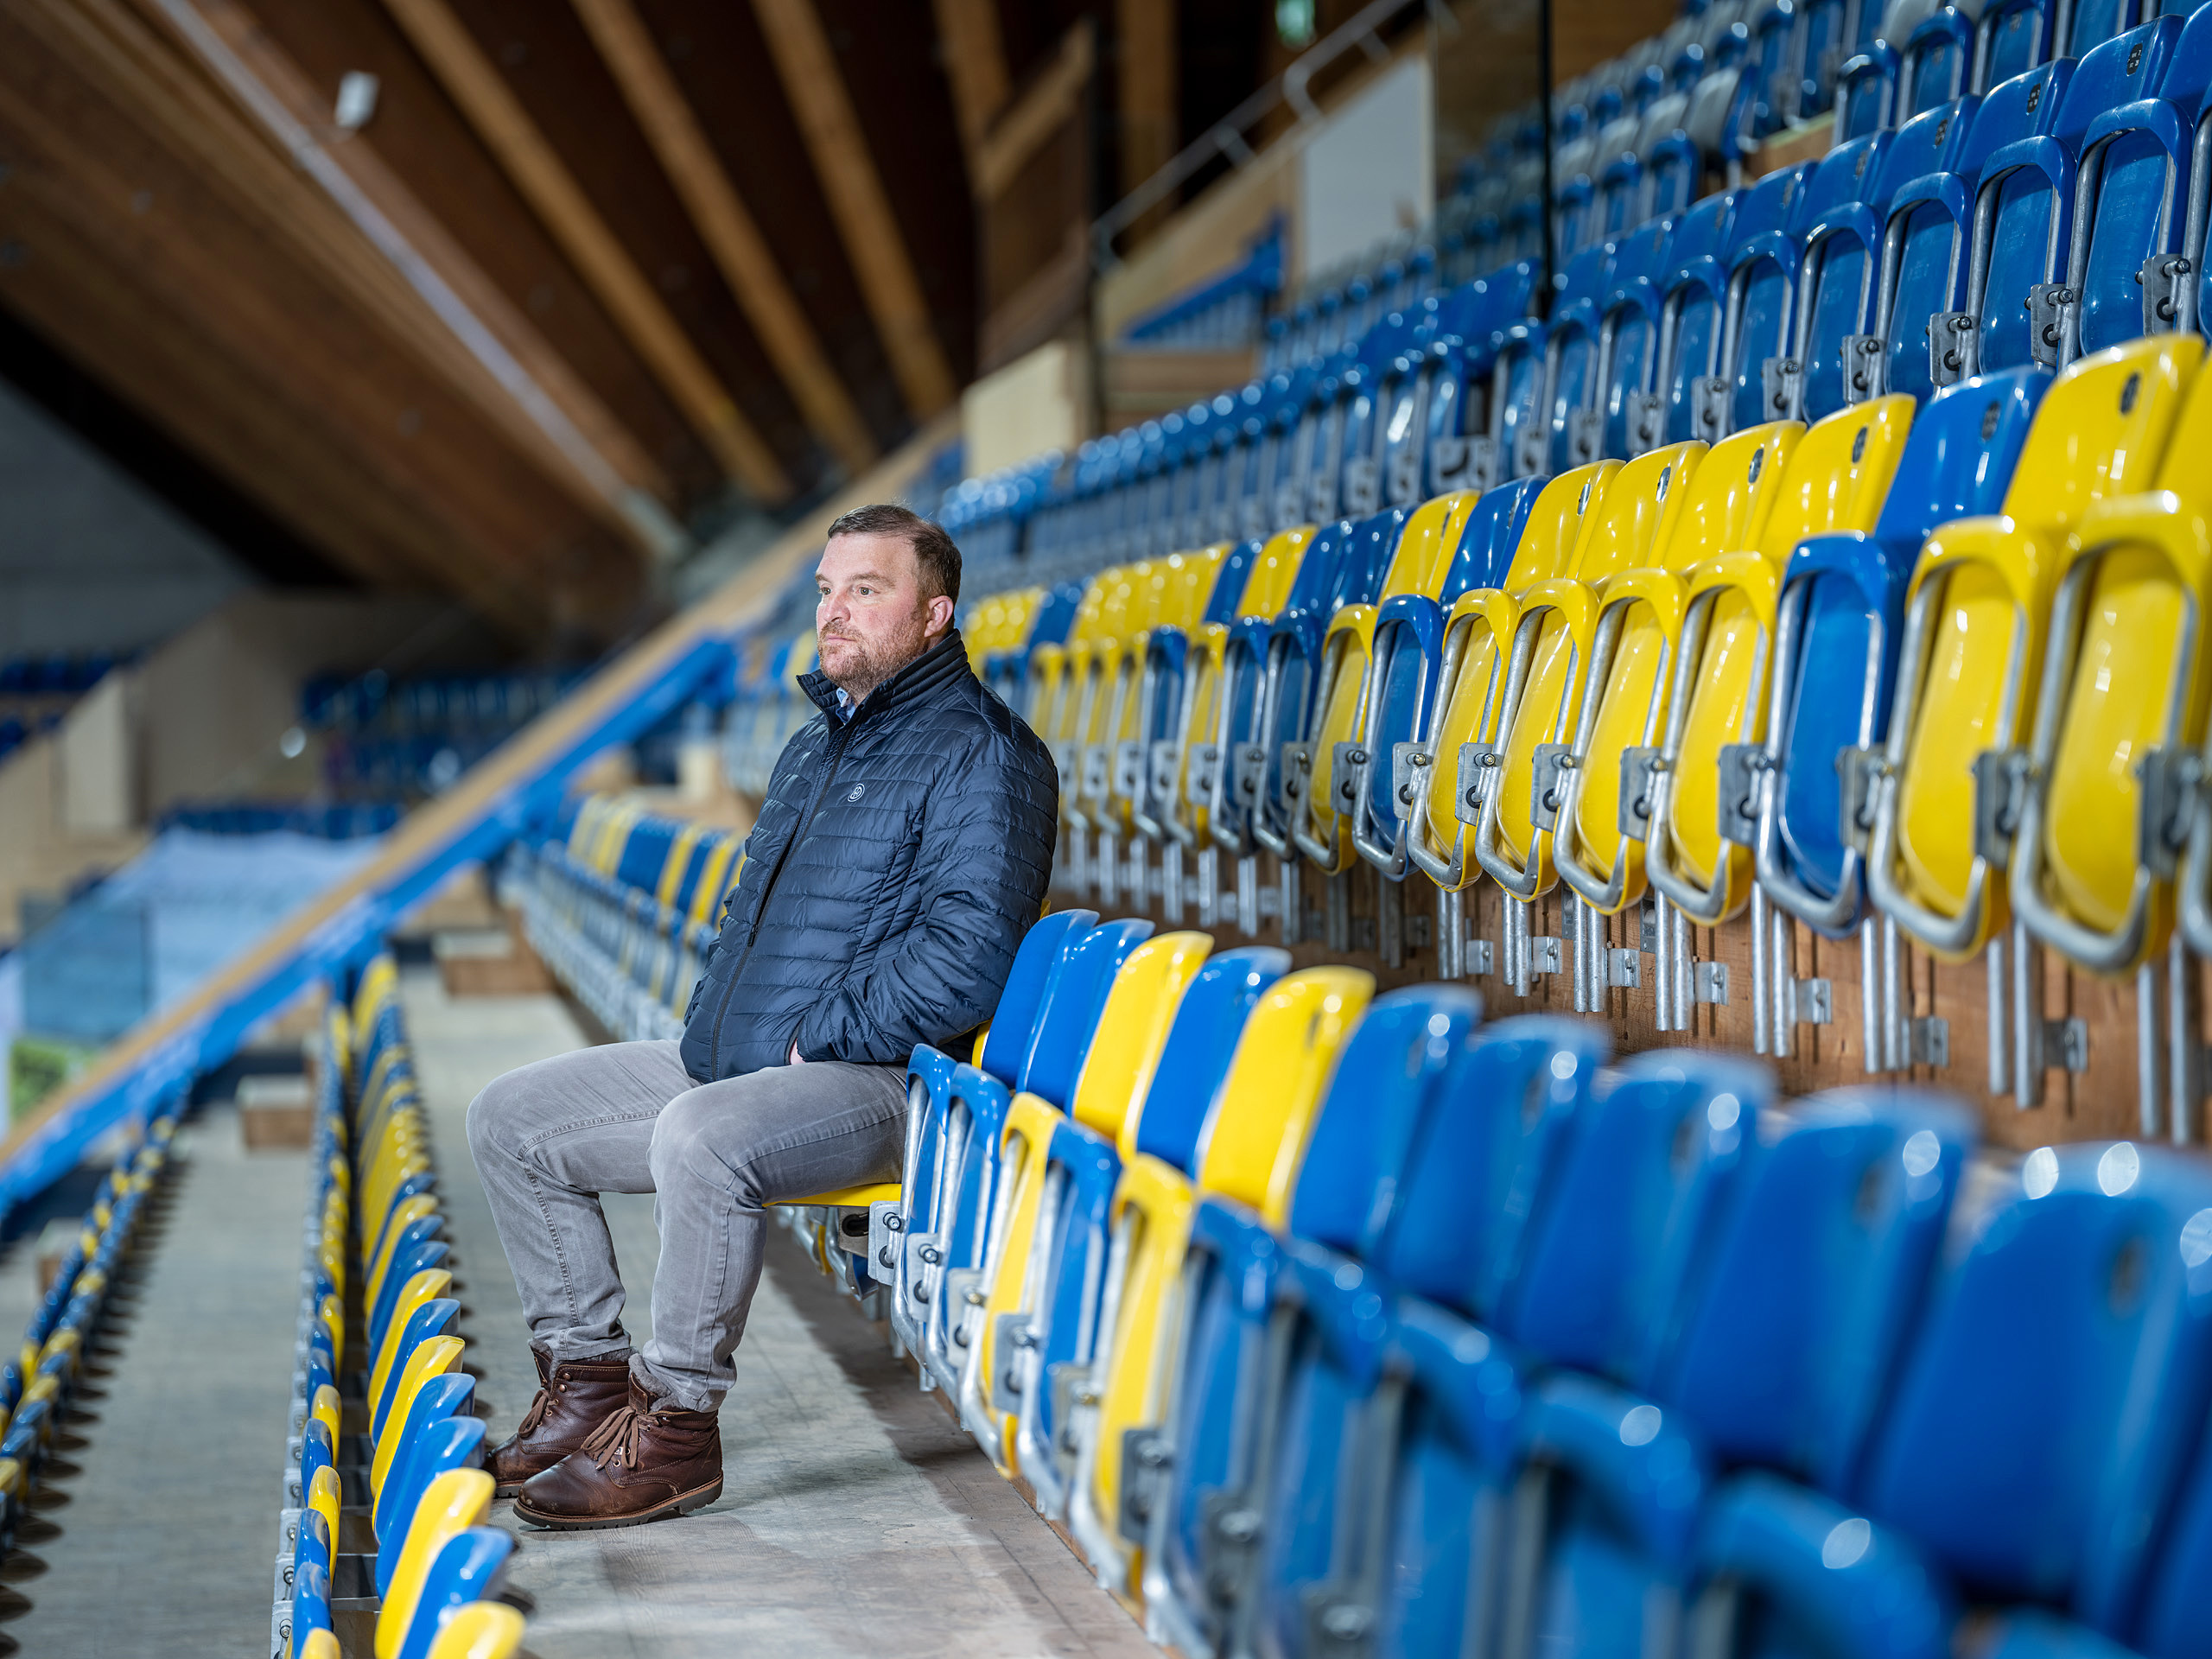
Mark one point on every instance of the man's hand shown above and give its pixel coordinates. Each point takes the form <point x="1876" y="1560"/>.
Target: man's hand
<point x="797" y="1058"/>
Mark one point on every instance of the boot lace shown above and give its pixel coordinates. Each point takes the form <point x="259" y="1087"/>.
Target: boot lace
<point x="619" y="1433"/>
<point x="536" y="1415"/>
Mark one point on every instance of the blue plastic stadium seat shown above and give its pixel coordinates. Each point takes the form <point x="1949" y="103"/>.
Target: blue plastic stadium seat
<point x="1759" y="319"/>
<point x="1844" y="213"/>
<point x="1344" y="566"/>
<point x="1782" y="1345"/>
<point x="1841" y="618"/>
<point x="1408" y="657"/>
<point x="2058" y="1382"/>
<point x="1650" y="1171"/>
<point x="953" y="1146"/>
<point x="470" y="1567"/>
<point x="2134" y="173"/>
<point x="2021" y="153"/>
<point x="1929" y="226"/>
<point x="1628" y="333"/>
<point x="2045" y="1417"/>
<point x="1452" y="1242"/>
<point x="1693" y="297"/>
<point x="1081" y="1168"/>
<point x="1224" y="1393"/>
<point x="1572" y="422"/>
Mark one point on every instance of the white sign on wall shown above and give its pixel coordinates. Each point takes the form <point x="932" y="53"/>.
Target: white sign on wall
<point x="1370" y="170"/>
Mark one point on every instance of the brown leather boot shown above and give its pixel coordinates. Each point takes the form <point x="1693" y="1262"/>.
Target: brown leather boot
<point x="572" y="1399"/>
<point x="647" y="1460"/>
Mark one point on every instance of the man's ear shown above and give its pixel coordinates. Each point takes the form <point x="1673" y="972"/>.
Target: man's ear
<point x="940" y="610"/>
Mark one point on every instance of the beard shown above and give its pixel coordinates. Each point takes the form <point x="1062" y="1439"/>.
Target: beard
<point x="863" y="664"/>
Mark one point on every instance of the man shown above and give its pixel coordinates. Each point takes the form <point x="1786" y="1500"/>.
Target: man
<point x="903" y="849"/>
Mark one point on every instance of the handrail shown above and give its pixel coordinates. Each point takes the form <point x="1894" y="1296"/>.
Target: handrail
<point x="1226" y="136"/>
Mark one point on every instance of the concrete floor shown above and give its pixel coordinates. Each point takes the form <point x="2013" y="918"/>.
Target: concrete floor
<point x="854" y="1517"/>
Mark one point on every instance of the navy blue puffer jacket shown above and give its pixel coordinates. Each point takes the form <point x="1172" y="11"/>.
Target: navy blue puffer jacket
<point x="898" y="859"/>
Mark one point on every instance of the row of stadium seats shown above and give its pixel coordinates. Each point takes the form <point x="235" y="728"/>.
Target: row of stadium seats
<point x="1870" y="675"/>
<point x="1335" y="1324"/>
<point x="392" y="1440"/>
<point x="436" y="705"/>
<point x="57" y="675"/>
<point x="2061" y="213"/>
<point x="623" y="906"/>
<point x="36" y="1385"/>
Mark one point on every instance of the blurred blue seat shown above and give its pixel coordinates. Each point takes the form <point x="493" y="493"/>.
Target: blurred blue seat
<point x="2043" y="1423"/>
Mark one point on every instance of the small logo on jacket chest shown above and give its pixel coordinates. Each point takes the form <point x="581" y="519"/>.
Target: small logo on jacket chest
<point x="855" y="792"/>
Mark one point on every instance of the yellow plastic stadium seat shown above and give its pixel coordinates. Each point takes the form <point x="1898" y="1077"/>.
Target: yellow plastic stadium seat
<point x="1325" y="818"/>
<point x="326" y="1409"/>
<point x="434" y="1357"/>
<point x="2124" y="685"/>
<point x="481" y="1629"/>
<point x="1971" y="662"/>
<point x="455" y="1502"/>
<point x="1538" y="703"/>
<point x="1467" y="681"/>
<point x="1836" y="478"/>
<point x="425" y="1286"/>
<point x="1624" y="706"/>
<point x="1249" y="1151"/>
<point x="855" y="1196"/>
<point x="1116" y="1073"/>
<point x="326" y="1493"/>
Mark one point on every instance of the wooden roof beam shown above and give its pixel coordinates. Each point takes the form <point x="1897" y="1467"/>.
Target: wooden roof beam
<point x="975" y="62"/>
<point x="857" y="202"/>
<point x="456" y="316"/>
<point x="727" y="228"/>
<point x="552" y="191"/>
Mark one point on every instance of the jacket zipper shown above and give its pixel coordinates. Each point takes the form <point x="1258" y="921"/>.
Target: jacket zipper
<point x="729" y="985"/>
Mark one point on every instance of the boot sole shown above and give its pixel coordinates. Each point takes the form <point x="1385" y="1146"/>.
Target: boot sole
<point x="683" y="1503"/>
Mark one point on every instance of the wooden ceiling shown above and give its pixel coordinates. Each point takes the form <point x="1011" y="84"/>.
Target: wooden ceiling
<point x="594" y="277"/>
<point x="591" y="273"/>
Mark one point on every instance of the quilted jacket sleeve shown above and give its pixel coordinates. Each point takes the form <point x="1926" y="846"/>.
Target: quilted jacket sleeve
<point x="987" y="858"/>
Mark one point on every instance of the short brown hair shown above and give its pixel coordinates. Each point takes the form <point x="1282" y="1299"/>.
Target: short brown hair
<point x="934" y="551"/>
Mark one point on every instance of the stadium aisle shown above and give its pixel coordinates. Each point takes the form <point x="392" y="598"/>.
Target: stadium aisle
<point x="855" y="1516"/>
<point x="168" y="1540"/>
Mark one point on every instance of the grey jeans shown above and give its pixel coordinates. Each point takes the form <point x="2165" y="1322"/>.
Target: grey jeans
<point x="550" y="1137"/>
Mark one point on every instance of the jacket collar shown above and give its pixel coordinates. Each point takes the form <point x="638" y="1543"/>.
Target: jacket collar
<point x="943" y="664"/>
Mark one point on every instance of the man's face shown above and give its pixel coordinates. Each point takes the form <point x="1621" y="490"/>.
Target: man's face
<point x="872" y="620"/>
